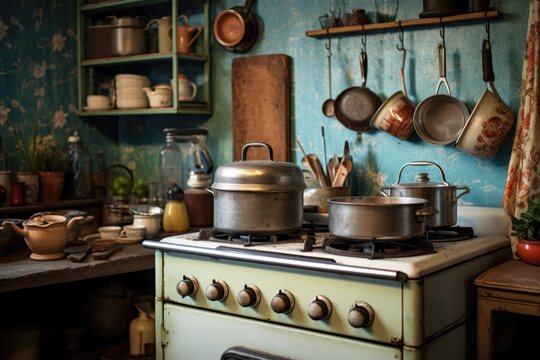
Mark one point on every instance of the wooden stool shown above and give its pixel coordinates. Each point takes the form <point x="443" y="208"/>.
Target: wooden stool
<point x="512" y="287"/>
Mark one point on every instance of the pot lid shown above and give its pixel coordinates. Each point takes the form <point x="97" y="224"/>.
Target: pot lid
<point x="259" y="175"/>
<point x="44" y="220"/>
<point x="422" y="181"/>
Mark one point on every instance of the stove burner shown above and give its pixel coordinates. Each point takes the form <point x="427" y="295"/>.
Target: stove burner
<point x="252" y="239"/>
<point x="378" y="249"/>
<point x="449" y="233"/>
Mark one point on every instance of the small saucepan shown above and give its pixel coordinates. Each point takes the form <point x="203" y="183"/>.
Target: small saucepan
<point x="490" y="120"/>
<point x="440" y="118"/>
<point x="395" y="116"/>
<point x="355" y="106"/>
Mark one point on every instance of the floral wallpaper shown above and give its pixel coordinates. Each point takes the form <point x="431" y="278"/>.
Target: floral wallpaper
<point x="38" y="83"/>
<point x="38" y="78"/>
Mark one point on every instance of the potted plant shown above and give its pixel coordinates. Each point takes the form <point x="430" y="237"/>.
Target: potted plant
<point x="527" y="230"/>
<point x="53" y="163"/>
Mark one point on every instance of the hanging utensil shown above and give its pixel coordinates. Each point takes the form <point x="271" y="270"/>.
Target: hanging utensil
<point x="355" y="106"/>
<point x="328" y="105"/>
<point x="490" y="120"/>
<point x="440" y="118"/>
<point x="324" y="150"/>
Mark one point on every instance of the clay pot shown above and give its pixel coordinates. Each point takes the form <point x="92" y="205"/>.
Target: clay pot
<point x="529" y="251"/>
<point x="51" y="184"/>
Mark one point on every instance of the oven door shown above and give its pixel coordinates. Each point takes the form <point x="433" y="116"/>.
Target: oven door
<point x="190" y="333"/>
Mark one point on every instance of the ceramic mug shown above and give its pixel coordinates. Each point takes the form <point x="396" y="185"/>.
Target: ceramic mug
<point x="31" y="187"/>
<point x="109" y="232"/>
<point x="133" y="231"/>
<point x="151" y="223"/>
<point x="5" y="182"/>
<point x="187" y="90"/>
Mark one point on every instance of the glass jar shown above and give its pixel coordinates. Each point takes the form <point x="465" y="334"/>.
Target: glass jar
<point x="78" y="176"/>
<point x="170" y="165"/>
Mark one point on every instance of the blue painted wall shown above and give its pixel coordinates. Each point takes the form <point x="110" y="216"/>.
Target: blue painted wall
<point x="136" y="141"/>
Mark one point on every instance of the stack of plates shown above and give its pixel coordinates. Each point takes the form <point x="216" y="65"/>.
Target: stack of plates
<point x="129" y="91"/>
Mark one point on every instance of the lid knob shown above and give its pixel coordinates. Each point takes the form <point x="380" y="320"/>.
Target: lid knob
<point x="422" y="178"/>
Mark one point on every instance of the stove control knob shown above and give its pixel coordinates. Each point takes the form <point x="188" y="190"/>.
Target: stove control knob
<point x="188" y="286"/>
<point x="320" y="308"/>
<point x="361" y="315"/>
<point x="217" y="290"/>
<point x="283" y="302"/>
<point x="249" y="296"/>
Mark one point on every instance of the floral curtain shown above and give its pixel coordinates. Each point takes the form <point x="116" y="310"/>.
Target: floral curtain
<point x="523" y="181"/>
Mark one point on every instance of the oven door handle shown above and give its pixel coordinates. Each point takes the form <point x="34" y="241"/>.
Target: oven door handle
<point x="280" y="259"/>
<point x="242" y="353"/>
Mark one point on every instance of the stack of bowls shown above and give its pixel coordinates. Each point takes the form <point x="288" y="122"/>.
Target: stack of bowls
<point x="129" y="91"/>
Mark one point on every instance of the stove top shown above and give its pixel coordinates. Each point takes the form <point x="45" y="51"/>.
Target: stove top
<point x="490" y="227"/>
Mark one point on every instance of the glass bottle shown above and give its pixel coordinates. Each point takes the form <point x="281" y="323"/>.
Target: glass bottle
<point x="78" y="175"/>
<point x="199" y="202"/>
<point x="175" y="215"/>
<point x="170" y="165"/>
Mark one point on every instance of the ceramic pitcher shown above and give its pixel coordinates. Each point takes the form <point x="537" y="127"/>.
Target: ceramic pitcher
<point x="185" y="34"/>
<point x="187" y="89"/>
<point x="164" y="28"/>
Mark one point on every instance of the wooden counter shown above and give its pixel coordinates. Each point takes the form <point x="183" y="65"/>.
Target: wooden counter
<point x="17" y="271"/>
<point x="511" y="289"/>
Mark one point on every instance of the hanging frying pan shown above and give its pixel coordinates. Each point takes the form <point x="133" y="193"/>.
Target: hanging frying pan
<point x="236" y="29"/>
<point x="490" y="120"/>
<point x="440" y="118"/>
<point x="355" y="106"/>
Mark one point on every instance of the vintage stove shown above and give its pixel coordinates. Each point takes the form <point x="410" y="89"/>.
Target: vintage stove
<point x="294" y="298"/>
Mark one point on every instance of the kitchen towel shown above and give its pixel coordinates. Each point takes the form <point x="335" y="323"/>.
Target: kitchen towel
<point x="523" y="180"/>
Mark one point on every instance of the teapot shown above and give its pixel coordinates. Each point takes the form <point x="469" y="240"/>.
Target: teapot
<point x="160" y="96"/>
<point x="185" y="35"/>
<point x="45" y="234"/>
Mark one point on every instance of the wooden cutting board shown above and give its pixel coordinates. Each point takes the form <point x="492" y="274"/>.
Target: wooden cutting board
<point x="261" y="105"/>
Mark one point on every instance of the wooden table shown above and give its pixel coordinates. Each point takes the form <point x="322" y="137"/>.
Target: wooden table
<point x="512" y="287"/>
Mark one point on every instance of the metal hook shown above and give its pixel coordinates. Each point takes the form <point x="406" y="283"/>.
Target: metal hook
<point x="400" y="46"/>
<point x="441" y="32"/>
<point x="487" y="23"/>
<point x="364" y="38"/>
<point x="328" y="45"/>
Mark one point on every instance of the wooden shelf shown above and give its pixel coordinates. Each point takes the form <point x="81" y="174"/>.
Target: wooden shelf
<point x="359" y="29"/>
<point x="75" y="204"/>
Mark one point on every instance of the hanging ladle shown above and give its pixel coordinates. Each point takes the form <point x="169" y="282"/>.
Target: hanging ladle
<point x="328" y="105"/>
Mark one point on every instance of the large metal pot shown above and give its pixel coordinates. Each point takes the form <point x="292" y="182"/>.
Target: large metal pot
<point x="258" y="196"/>
<point x="127" y="35"/>
<point x="440" y="195"/>
<point x="377" y="217"/>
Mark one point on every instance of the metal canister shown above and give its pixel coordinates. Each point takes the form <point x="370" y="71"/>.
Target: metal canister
<point x="127" y="36"/>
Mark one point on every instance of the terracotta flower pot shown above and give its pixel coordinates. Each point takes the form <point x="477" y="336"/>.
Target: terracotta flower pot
<point x="51" y="185"/>
<point x="529" y="251"/>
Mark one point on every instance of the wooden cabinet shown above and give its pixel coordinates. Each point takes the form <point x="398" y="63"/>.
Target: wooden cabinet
<point x="96" y="74"/>
<point x="508" y="311"/>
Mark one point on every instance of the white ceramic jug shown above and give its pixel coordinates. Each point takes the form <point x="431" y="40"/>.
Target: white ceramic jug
<point x="187" y="90"/>
<point x="164" y="28"/>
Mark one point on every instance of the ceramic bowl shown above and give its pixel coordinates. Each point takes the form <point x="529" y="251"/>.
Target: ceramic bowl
<point x="134" y="102"/>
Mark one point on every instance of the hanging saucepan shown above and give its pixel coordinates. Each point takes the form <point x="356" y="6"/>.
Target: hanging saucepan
<point x="440" y="118"/>
<point x="236" y="29"/>
<point x="490" y="120"/>
<point x="355" y="106"/>
<point x="440" y="195"/>
<point x="395" y="116"/>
